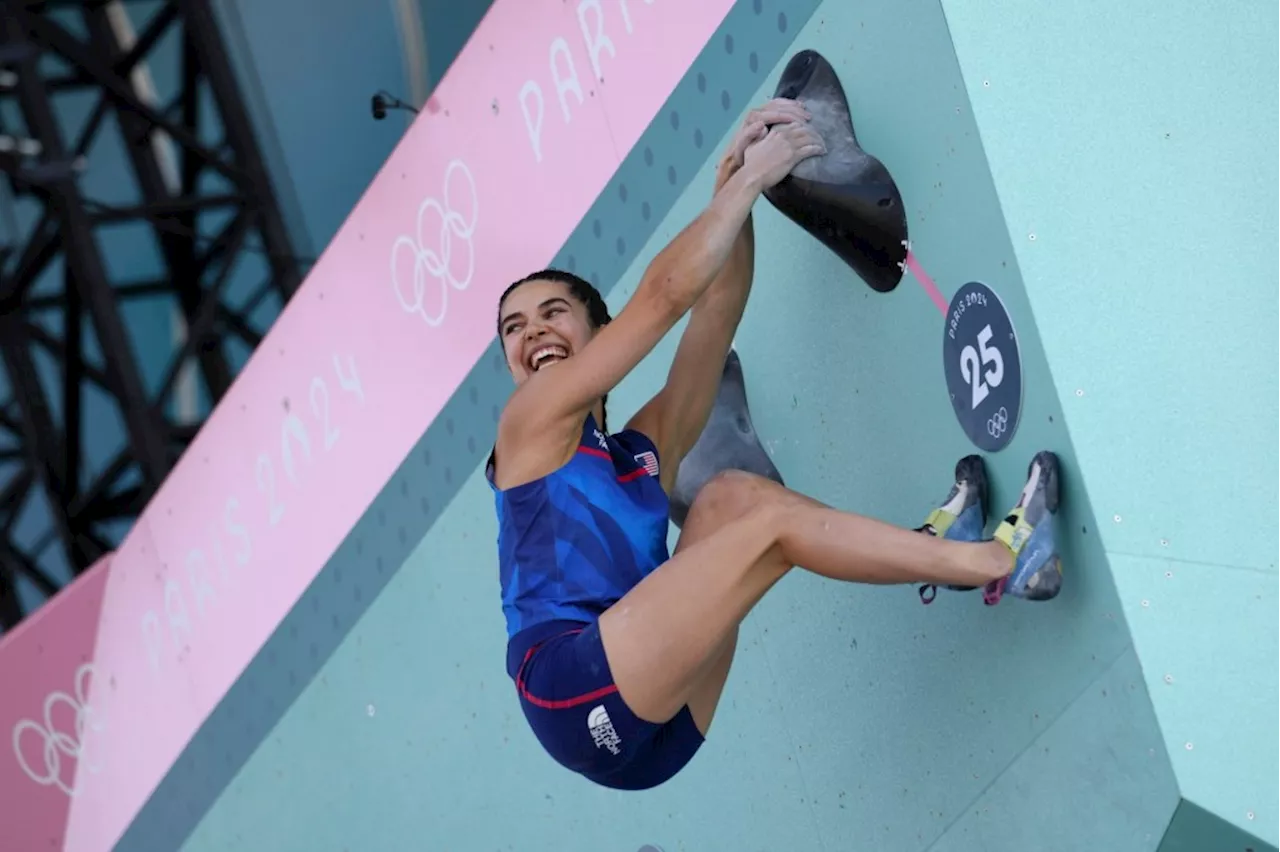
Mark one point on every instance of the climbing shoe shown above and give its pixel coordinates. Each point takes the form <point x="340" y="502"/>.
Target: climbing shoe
<point x="961" y="517"/>
<point x="1027" y="530"/>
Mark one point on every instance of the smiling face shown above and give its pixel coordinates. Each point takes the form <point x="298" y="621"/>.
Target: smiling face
<point x="541" y="323"/>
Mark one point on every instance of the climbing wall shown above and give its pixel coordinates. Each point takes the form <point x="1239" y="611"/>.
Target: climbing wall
<point x="1144" y="225"/>
<point x="379" y="715"/>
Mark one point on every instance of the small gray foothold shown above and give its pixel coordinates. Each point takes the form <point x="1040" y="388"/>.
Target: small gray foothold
<point x="727" y="442"/>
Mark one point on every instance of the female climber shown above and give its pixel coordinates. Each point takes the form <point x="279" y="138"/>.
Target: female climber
<point x="619" y="650"/>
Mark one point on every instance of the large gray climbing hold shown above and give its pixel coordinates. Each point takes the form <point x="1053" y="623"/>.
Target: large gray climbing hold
<point x="728" y="442"/>
<point x="845" y="198"/>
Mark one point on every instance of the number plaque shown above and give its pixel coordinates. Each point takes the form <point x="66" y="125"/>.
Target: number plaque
<point x="983" y="367"/>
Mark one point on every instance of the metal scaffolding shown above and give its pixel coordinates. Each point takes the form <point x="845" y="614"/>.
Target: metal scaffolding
<point x="204" y="199"/>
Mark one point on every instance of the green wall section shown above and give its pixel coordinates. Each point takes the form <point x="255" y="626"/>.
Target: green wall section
<point x="1138" y="142"/>
<point x="380" y="717"/>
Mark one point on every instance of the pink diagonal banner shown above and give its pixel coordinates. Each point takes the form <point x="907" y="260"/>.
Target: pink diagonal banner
<point x="107" y="685"/>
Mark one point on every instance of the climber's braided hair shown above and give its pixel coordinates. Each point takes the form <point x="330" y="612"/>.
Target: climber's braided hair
<point x="584" y="292"/>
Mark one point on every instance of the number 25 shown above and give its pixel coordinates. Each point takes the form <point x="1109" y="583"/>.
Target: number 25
<point x="969" y="366"/>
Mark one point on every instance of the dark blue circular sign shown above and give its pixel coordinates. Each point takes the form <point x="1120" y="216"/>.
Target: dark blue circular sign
<point x="983" y="367"/>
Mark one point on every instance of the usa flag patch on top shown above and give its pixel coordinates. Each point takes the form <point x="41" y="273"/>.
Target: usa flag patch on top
<point x="649" y="461"/>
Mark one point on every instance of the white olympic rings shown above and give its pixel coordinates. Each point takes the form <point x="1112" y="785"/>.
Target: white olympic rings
<point x="426" y="261"/>
<point x="998" y="423"/>
<point x="57" y="743"/>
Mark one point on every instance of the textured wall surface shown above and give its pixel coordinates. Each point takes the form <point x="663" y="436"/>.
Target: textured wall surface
<point x="1153" y="278"/>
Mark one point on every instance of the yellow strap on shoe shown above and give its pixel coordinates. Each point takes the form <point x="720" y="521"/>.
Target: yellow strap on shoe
<point x="940" y="521"/>
<point x="1014" y="535"/>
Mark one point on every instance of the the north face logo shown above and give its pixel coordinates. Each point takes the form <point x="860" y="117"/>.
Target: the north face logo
<point x="601" y="728"/>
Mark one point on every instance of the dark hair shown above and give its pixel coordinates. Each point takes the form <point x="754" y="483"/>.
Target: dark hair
<point x="584" y="292"/>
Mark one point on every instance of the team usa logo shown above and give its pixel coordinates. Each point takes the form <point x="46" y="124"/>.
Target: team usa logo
<point x="648" y="461"/>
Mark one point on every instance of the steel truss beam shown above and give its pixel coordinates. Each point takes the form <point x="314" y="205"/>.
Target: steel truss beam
<point x="206" y="201"/>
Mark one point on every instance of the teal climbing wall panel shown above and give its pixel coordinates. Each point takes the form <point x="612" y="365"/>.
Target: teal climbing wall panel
<point x="380" y="717"/>
<point x="1154" y="279"/>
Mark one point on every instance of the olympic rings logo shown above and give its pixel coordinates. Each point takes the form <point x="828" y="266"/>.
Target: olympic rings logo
<point x="429" y="263"/>
<point x="998" y="423"/>
<point x="55" y="743"/>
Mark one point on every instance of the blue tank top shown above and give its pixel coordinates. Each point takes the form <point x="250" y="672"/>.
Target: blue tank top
<point x="573" y="542"/>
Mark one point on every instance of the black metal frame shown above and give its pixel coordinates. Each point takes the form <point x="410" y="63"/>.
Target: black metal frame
<point x="201" y="234"/>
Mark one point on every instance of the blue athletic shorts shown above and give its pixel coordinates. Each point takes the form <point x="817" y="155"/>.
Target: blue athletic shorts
<point x="568" y="695"/>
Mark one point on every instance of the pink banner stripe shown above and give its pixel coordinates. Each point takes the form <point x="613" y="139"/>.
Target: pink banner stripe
<point x="543" y="103"/>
